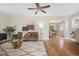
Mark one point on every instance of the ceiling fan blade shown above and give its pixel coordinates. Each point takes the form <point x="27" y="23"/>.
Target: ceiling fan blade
<point x="43" y="11"/>
<point x="47" y="6"/>
<point x="37" y="5"/>
<point x="32" y="8"/>
<point x="36" y="12"/>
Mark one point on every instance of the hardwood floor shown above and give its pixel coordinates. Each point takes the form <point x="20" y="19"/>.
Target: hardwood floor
<point x="58" y="46"/>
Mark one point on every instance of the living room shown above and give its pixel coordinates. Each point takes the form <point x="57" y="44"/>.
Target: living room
<point x="28" y="23"/>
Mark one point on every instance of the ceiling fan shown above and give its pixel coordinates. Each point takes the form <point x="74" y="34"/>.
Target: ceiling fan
<point x="39" y="8"/>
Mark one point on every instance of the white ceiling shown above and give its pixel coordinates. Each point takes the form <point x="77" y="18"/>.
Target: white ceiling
<point x="56" y="9"/>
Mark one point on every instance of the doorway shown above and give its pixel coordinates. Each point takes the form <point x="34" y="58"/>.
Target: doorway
<point x="56" y="28"/>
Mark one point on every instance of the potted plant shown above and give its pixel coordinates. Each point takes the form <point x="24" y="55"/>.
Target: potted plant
<point x="10" y="30"/>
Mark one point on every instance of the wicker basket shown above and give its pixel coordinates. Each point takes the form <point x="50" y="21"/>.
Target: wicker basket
<point x="16" y="43"/>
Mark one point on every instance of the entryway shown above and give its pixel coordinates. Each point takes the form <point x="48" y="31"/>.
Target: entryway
<point x="56" y="27"/>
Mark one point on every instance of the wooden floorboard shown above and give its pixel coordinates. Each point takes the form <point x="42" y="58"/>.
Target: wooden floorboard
<point x="58" y="46"/>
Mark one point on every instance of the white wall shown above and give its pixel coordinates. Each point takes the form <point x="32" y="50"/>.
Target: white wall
<point x="72" y="18"/>
<point x="24" y="20"/>
<point x="69" y="25"/>
<point x="67" y="28"/>
<point x="20" y="21"/>
<point x="3" y="22"/>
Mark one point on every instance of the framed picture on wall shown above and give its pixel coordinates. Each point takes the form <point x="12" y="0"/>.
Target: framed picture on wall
<point x="30" y="27"/>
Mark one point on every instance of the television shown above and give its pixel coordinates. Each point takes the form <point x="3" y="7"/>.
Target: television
<point x="3" y="36"/>
<point x="24" y="28"/>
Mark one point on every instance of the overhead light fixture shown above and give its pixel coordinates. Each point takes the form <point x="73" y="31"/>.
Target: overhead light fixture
<point x="39" y="8"/>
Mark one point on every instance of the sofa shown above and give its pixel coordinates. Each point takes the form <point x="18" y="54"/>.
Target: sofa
<point x="31" y="36"/>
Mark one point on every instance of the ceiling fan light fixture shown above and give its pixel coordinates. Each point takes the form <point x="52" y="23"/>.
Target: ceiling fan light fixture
<point x="38" y="7"/>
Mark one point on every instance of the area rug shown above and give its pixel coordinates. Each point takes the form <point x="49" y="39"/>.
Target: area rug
<point x="28" y="48"/>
